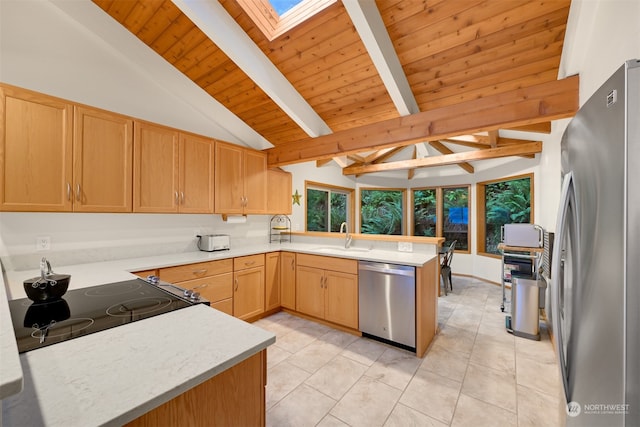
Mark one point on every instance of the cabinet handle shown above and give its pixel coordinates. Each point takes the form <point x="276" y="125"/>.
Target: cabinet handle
<point x="248" y="263"/>
<point x="68" y="191"/>
<point x="293" y="265"/>
<point x="199" y="272"/>
<point x="182" y="197"/>
<point x="78" y="192"/>
<point x="236" y="280"/>
<point x="177" y="200"/>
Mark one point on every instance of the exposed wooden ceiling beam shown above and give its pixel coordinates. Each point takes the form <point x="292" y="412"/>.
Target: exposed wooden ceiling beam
<point x="388" y="154"/>
<point x="448" y="159"/>
<point x="320" y="163"/>
<point x="547" y="101"/>
<point x="493" y="138"/>
<point x="366" y="18"/>
<point x="466" y="143"/>
<point x="411" y="172"/>
<point x="376" y="155"/>
<point x="445" y="150"/>
<point x="542" y="127"/>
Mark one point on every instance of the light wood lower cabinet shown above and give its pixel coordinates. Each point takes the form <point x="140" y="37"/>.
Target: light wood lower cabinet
<point x="327" y="288"/>
<point x="272" y="281"/>
<point x="213" y="279"/>
<point x="288" y="280"/>
<point x="248" y="286"/>
<point x="235" y="397"/>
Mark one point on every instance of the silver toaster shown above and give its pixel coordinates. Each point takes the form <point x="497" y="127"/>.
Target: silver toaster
<point x="213" y="242"/>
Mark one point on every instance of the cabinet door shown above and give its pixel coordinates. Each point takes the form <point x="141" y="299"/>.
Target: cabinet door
<point x="279" y="192"/>
<point x="341" y="293"/>
<point x="35" y="152"/>
<point x="272" y="281"/>
<point x="196" y="174"/>
<point x="229" y="182"/>
<point x="155" y="172"/>
<point x="255" y="182"/>
<point x="310" y="291"/>
<point x="248" y="295"/>
<point x="288" y="280"/>
<point x="102" y="161"/>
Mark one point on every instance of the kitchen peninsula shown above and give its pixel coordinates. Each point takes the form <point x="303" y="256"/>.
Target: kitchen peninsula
<point x="114" y="376"/>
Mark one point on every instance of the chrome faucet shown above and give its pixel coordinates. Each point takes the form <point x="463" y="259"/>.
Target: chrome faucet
<point x="347" y="240"/>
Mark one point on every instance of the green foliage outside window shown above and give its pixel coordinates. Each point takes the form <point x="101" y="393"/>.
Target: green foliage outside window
<point x="424" y="212"/>
<point x="506" y="202"/>
<point x="325" y="208"/>
<point x="338" y="210"/>
<point x="382" y="211"/>
<point x="317" y="210"/>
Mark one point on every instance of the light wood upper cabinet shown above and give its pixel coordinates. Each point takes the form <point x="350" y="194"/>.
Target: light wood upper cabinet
<point x="173" y="171"/>
<point x="240" y="180"/>
<point x="278" y="192"/>
<point x="102" y="161"/>
<point x="35" y="151"/>
<point x="155" y="172"/>
<point x="196" y="174"/>
<point x="61" y="157"/>
<point x="255" y="182"/>
<point x="288" y="280"/>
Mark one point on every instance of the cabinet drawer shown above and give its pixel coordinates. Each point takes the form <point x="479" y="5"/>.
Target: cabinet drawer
<point x="195" y="271"/>
<point x="218" y="287"/>
<point x="225" y="306"/>
<point x="145" y="273"/>
<point x="249" y="261"/>
<point x="328" y="263"/>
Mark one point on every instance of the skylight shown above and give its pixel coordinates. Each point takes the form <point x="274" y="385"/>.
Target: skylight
<point x="275" y="17"/>
<point x="283" y="6"/>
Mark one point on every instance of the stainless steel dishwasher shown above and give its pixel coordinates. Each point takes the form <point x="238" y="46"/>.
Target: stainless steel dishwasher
<point x="387" y="303"/>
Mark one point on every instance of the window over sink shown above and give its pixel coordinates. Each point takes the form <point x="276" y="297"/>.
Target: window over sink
<point x="327" y="207"/>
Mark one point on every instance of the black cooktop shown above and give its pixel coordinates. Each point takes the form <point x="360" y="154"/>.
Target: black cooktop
<point x="84" y="311"/>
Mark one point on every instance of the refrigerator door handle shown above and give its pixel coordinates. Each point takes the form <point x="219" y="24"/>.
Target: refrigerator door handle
<point x="558" y="264"/>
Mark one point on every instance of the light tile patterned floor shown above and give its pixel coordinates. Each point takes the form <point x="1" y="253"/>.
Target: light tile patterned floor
<point x="474" y="374"/>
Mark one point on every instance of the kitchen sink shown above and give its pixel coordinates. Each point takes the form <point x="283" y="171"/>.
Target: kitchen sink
<point x="338" y="249"/>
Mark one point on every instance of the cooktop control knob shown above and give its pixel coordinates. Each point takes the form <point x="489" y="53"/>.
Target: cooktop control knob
<point x="154" y="280"/>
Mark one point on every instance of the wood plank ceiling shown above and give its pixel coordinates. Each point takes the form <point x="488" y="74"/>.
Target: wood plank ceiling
<point x="457" y="57"/>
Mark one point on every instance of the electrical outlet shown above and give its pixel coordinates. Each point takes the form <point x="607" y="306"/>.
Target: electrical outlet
<point x="405" y="246"/>
<point x="43" y="243"/>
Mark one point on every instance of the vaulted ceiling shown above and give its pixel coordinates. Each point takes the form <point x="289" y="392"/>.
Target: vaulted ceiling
<point x="362" y="78"/>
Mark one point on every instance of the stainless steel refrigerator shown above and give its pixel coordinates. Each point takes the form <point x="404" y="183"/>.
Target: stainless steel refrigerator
<point x="596" y="258"/>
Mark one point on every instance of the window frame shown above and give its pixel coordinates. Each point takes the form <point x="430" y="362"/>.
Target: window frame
<point x="481" y="209"/>
<point x="350" y="192"/>
<point x="440" y="211"/>
<point x="403" y="226"/>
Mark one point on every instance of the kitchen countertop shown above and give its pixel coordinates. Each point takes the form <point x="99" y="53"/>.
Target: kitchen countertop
<point x="76" y="382"/>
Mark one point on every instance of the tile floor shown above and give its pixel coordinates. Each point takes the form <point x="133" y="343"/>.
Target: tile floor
<point x="474" y="374"/>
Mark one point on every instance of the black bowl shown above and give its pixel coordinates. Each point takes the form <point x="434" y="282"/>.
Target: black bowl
<point x="41" y="314"/>
<point x="46" y="290"/>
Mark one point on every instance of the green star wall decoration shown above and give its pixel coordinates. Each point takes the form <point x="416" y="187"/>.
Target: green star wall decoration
<point x="296" y="198"/>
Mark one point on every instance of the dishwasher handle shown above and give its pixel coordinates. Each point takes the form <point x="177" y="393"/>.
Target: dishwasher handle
<point x="396" y="270"/>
